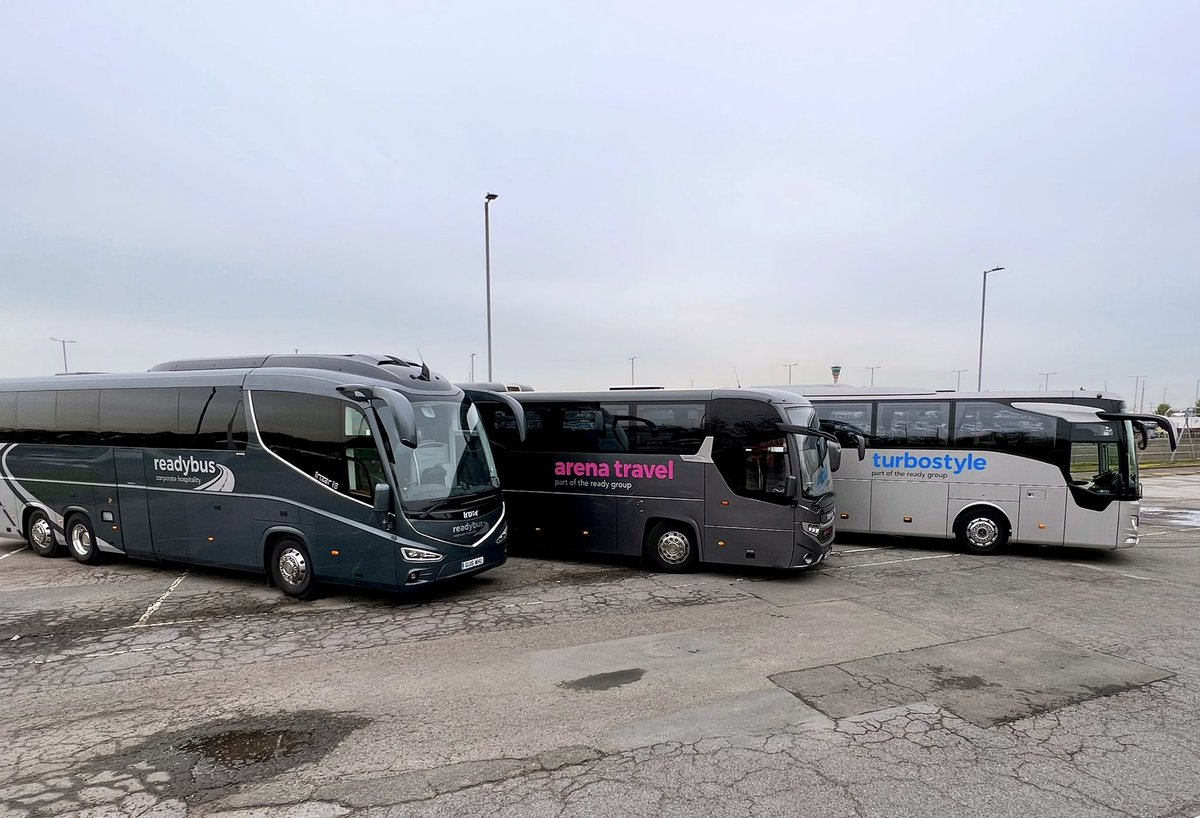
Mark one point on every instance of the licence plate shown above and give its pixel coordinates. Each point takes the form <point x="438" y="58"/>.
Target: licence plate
<point x="472" y="563"/>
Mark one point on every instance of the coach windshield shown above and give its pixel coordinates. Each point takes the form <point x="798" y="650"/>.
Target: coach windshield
<point x="452" y="458"/>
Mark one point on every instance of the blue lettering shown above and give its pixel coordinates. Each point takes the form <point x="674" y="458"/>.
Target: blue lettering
<point x="910" y="462"/>
<point x="979" y="463"/>
<point x="875" y="459"/>
<point x="925" y="462"/>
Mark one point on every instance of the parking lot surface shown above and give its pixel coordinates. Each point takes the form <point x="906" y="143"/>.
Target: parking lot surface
<point x="901" y="678"/>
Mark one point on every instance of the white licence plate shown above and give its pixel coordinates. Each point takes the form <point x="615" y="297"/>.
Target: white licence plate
<point x="472" y="563"/>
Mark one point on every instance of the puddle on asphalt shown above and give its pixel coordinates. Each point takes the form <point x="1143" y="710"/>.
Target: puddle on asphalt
<point x="1173" y="516"/>
<point x="238" y="748"/>
<point x="604" y="681"/>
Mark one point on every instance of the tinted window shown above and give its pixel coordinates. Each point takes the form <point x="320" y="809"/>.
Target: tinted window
<point x="925" y="424"/>
<point x="147" y="418"/>
<point x="212" y="417"/>
<point x="986" y="425"/>
<point x="748" y="449"/>
<point x="8" y="414"/>
<point x="574" y="427"/>
<point x="79" y="416"/>
<point x="35" y="417"/>
<point x="845" y="420"/>
<point x="327" y="439"/>
<point x="667" y="428"/>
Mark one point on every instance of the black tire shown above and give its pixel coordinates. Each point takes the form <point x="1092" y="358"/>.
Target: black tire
<point x="672" y="549"/>
<point x="39" y="533"/>
<point x="982" y="531"/>
<point x="292" y="568"/>
<point x="81" y="540"/>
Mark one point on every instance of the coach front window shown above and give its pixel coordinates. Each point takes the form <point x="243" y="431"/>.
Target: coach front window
<point x="1101" y="457"/>
<point x="452" y="459"/>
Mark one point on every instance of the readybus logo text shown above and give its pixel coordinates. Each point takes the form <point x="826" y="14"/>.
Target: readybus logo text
<point x="193" y="473"/>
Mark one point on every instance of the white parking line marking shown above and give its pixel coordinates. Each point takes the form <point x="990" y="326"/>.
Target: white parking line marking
<point x="891" y="562"/>
<point x="857" y="550"/>
<point x="158" y="602"/>
<point x="10" y="553"/>
<point x="1116" y="573"/>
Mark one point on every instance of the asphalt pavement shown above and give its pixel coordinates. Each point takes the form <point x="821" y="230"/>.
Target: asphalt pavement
<point x="902" y="678"/>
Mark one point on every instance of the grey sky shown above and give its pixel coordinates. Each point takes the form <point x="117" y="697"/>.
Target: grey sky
<point x="700" y="185"/>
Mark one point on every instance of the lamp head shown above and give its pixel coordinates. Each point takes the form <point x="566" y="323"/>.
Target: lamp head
<point x="490" y="196"/>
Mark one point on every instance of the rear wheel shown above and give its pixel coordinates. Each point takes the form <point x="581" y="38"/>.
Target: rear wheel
<point x="81" y="540"/>
<point x="671" y="548"/>
<point x="40" y="535"/>
<point x="292" y="569"/>
<point x="982" y="531"/>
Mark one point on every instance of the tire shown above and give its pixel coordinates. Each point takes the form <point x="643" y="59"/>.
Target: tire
<point x="982" y="531"/>
<point x="671" y="548"/>
<point x="39" y="533"/>
<point x="81" y="540"/>
<point x="292" y="569"/>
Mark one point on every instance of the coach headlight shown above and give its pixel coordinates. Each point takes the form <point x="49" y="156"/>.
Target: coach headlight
<point x="813" y="530"/>
<point x="411" y="554"/>
<point x="502" y="537"/>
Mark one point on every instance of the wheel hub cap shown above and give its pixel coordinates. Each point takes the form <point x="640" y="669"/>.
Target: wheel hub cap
<point x="983" y="532"/>
<point x="81" y="540"/>
<point x="42" y="533"/>
<point x="673" y="547"/>
<point x="292" y="566"/>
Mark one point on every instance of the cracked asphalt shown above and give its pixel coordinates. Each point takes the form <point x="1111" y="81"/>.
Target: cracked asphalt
<point x="902" y="678"/>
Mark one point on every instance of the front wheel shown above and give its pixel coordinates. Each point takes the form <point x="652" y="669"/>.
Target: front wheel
<point x="81" y="540"/>
<point x="292" y="569"/>
<point x="671" y="548"/>
<point x="982" y="531"/>
<point x="40" y="535"/>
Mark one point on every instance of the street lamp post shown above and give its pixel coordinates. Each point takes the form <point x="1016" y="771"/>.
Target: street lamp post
<point x="982" y="313"/>
<point x="472" y="367"/>
<point x="958" y="384"/>
<point x="632" y="379"/>
<point x="64" y="342"/>
<point x="1046" y="375"/>
<point x="487" y="266"/>
<point x="789" y="369"/>
<point x="1136" y="378"/>
<point x="872" y="368"/>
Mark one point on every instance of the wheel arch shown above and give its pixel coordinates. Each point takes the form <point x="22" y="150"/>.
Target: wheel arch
<point x="36" y="505"/>
<point x="271" y="536"/>
<point x="973" y="508"/>
<point x="658" y="519"/>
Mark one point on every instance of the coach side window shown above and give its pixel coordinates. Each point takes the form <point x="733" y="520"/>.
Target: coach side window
<point x="212" y="417"/>
<point x="988" y="425"/>
<point x="78" y="417"/>
<point x="8" y="416"/>
<point x="148" y="418"/>
<point x="667" y="428"/>
<point x="846" y="418"/>
<point x="923" y="424"/>
<point x="749" y="450"/>
<point x="314" y="434"/>
<point x="35" y="418"/>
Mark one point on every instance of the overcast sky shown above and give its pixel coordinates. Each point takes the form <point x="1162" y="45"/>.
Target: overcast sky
<point x="699" y="185"/>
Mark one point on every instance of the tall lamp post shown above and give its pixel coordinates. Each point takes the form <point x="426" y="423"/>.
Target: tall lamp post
<point x="788" y="367"/>
<point x="632" y="379"/>
<point x="64" y="342"/>
<point x="982" y="313"/>
<point x="472" y="367"/>
<point x="1046" y="375"/>
<point x="958" y="384"/>
<point x="872" y="368"/>
<point x="487" y="265"/>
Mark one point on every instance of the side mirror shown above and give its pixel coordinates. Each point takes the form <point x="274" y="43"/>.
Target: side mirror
<point x="383" y="498"/>
<point x="835" y="456"/>
<point x="862" y="447"/>
<point x="789" y="490"/>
